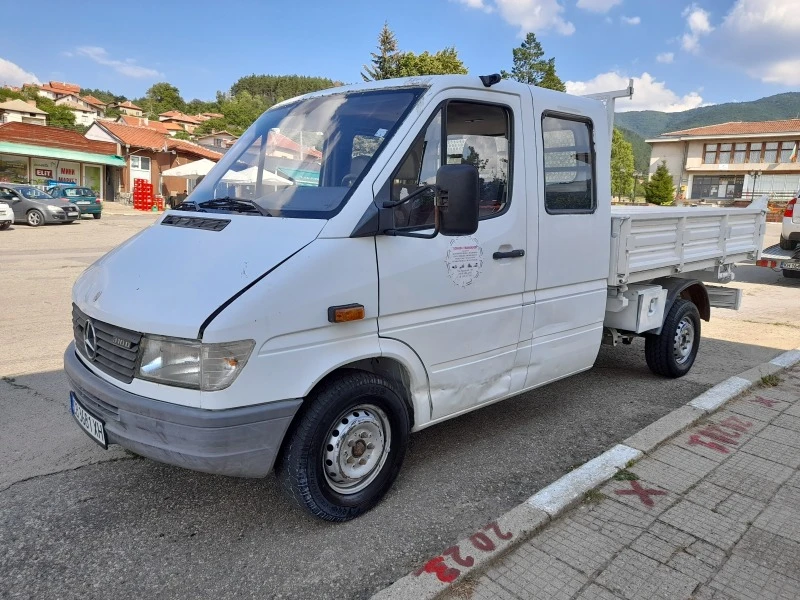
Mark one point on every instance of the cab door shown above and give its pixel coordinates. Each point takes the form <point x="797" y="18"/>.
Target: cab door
<point x="457" y="301"/>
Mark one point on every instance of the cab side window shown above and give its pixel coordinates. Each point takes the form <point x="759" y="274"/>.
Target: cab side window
<point x="472" y="133"/>
<point x="568" y="164"/>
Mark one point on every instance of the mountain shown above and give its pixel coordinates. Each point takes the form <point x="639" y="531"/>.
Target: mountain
<point x="641" y="149"/>
<point x="651" y="123"/>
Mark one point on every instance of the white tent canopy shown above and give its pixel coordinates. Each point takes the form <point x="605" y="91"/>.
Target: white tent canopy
<point x="248" y="176"/>
<point x="191" y="170"/>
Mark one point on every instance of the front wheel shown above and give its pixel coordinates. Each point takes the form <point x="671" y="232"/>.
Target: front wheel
<point x="672" y="352"/>
<point x="347" y="446"/>
<point x="35" y="218"/>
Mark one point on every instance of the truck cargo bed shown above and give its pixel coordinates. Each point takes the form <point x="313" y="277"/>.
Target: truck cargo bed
<point x="650" y="242"/>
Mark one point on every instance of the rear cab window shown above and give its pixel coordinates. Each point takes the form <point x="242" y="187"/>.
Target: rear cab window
<point x="569" y="164"/>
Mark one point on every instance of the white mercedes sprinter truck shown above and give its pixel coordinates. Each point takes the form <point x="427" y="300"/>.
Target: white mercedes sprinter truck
<point x="370" y="260"/>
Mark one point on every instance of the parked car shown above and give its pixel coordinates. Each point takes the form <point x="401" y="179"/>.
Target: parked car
<point x="35" y="207"/>
<point x="84" y="198"/>
<point x="790" y="230"/>
<point x="6" y="216"/>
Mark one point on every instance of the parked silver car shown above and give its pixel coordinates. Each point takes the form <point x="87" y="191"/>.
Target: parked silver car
<point x="35" y="207"/>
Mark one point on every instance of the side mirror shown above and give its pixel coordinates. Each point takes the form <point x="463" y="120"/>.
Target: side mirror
<point x="459" y="196"/>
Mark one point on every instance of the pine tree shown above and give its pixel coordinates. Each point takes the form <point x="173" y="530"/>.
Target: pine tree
<point x="661" y="188"/>
<point x="621" y="165"/>
<point x="385" y="61"/>
<point x="532" y="68"/>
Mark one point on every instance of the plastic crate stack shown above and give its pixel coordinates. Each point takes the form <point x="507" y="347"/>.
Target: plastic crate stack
<point x="143" y="195"/>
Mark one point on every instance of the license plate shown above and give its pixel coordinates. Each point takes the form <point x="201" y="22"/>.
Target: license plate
<point x="90" y="424"/>
<point x="791" y="266"/>
<point x="82" y="202"/>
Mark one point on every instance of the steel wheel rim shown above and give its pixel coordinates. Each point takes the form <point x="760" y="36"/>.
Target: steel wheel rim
<point x="33" y="218"/>
<point x="684" y="340"/>
<point x="356" y="448"/>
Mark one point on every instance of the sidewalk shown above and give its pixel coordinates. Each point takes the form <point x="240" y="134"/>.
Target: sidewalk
<point x="711" y="514"/>
<point x="116" y="208"/>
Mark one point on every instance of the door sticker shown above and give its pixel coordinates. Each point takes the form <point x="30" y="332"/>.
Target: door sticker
<point x="464" y="260"/>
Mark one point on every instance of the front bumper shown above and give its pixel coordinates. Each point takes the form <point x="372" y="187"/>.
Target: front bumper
<point x="242" y="442"/>
<point x="62" y="217"/>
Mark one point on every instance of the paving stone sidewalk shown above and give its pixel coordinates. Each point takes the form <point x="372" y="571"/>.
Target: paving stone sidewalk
<point x="713" y="514"/>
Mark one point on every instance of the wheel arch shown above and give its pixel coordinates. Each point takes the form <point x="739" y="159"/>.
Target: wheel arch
<point x="689" y="289"/>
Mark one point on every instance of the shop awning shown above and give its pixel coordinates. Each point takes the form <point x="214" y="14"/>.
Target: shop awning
<point x="61" y="154"/>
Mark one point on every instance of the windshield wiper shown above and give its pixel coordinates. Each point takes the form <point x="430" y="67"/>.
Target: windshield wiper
<point x="236" y="204"/>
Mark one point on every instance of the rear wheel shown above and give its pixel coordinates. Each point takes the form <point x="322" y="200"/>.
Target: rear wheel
<point x="97" y="215"/>
<point x="791" y="274"/>
<point x="787" y="244"/>
<point x="4" y="226"/>
<point x="346" y="448"/>
<point x="672" y="352"/>
<point x="35" y="218"/>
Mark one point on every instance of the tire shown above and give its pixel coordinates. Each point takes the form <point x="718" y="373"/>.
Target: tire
<point x="791" y="274"/>
<point x="667" y="355"/>
<point x="5" y="225"/>
<point x="97" y="215"/>
<point x="35" y="218"/>
<point x="787" y="244"/>
<point x="348" y="408"/>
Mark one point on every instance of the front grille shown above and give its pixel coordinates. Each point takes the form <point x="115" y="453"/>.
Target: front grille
<point x="117" y="348"/>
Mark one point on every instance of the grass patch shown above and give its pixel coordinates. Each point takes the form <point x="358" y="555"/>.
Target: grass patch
<point x="630" y="463"/>
<point x="625" y="475"/>
<point x="770" y="380"/>
<point x="593" y="497"/>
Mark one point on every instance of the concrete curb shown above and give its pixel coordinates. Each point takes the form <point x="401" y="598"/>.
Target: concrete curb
<point x="469" y="556"/>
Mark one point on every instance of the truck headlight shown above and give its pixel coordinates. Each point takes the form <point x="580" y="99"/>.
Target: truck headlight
<point x="192" y="364"/>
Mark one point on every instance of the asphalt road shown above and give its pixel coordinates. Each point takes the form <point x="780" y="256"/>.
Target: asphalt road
<point x="77" y="521"/>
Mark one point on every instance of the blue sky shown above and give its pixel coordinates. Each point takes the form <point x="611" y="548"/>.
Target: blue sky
<point x="681" y="54"/>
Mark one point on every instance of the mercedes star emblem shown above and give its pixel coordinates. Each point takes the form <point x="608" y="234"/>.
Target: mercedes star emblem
<point x="90" y="340"/>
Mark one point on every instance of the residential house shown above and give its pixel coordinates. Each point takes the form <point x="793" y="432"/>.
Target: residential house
<point x="22" y="111"/>
<point x="207" y="116"/>
<point x="85" y="113"/>
<point x="167" y="128"/>
<point x="187" y="122"/>
<point x="55" y="89"/>
<point x="279" y="145"/>
<point x="41" y="155"/>
<point x="221" y="140"/>
<point x="732" y="162"/>
<point x="97" y="103"/>
<point x="148" y="152"/>
<point x="127" y="108"/>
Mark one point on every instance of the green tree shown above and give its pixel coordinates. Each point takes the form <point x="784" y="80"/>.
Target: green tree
<point x="444" y="62"/>
<point x="161" y="97"/>
<point x="211" y="125"/>
<point x="241" y="110"/>
<point x="57" y="116"/>
<point x="182" y="135"/>
<point x="196" y="106"/>
<point x="106" y="96"/>
<point x="276" y="88"/>
<point x="621" y="165"/>
<point x="532" y="68"/>
<point x="661" y="188"/>
<point x="384" y="61"/>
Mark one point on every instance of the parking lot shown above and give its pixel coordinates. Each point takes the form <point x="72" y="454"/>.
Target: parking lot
<point x="77" y="521"/>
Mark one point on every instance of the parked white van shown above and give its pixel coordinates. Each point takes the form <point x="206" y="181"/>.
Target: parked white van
<point x="449" y="243"/>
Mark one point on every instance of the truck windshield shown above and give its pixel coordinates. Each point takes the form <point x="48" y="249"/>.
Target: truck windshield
<point x="302" y="159"/>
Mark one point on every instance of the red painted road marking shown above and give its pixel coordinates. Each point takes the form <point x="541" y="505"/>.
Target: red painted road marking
<point x="455" y="552"/>
<point x="438" y="568"/>
<point x="716" y="433"/>
<point x="737" y="424"/>
<point x="696" y="440"/>
<point x="643" y="493"/>
<point x="482" y="542"/>
<point x="765" y="401"/>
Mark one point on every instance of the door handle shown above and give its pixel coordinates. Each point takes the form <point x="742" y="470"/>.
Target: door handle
<point x="509" y="254"/>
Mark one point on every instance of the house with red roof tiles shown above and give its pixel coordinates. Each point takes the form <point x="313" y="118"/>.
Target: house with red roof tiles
<point x="186" y="122"/>
<point x="85" y="112"/>
<point x="127" y="108"/>
<point x="732" y="162"/>
<point x="148" y="152"/>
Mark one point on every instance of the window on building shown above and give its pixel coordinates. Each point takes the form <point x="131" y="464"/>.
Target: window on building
<point x="725" y="154"/>
<point x="740" y="153"/>
<point x="140" y="162"/>
<point x="771" y="152"/>
<point x="716" y="187"/>
<point x="218" y="142"/>
<point x="787" y="152"/>
<point x="710" y="154"/>
<point x="568" y="165"/>
<point x="755" y="152"/>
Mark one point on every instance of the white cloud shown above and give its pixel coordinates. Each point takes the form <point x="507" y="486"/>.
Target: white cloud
<point x="598" y="6"/>
<point x="528" y="15"/>
<point x="699" y="24"/>
<point x="648" y="94"/>
<point x="665" y="57"/>
<point x="631" y="20"/>
<point x="771" y="30"/>
<point x="12" y="74"/>
<point x="479" y="4"/>
<point x="126" y="67"/>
